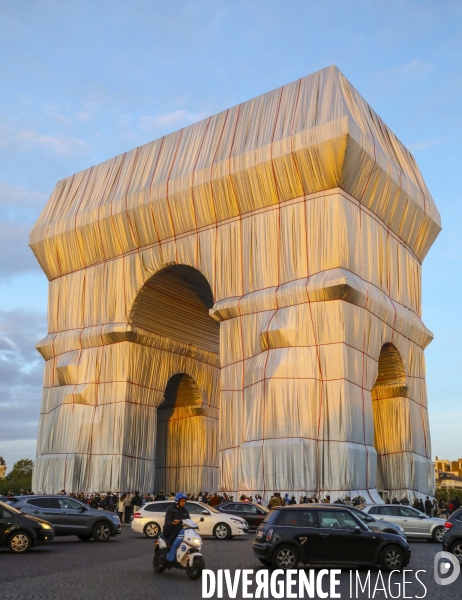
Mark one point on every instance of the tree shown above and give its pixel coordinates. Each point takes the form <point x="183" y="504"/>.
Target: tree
<point x="447" y="494"/>
<point x="19" y="478"/>
<point x="21" y="470"/>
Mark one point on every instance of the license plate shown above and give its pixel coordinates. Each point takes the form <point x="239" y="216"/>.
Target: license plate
<point x="259" y="534"/>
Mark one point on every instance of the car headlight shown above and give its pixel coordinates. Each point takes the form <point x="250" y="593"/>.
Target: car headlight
<point x="46" y="526"/>
<point x="238" y="521"/>
<point x="399" y="528"/>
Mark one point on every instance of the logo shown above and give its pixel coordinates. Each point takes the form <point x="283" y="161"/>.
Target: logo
<point x="183" y="547"/>
<point x="443" y="563"/>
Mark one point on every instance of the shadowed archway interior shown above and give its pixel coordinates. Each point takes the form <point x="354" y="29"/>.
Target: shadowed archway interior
<point x="181" y="444"/>
<point x="175" y="303"/>
<point x="391" y="415"/>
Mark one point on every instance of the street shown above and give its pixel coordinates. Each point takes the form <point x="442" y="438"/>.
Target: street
<point x="69" y="569"/>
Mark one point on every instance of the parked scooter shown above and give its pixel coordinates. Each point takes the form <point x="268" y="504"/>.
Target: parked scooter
<point x="184" y="554"/>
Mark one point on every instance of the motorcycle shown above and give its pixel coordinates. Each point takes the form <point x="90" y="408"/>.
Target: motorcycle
<point x="184" y="554"/>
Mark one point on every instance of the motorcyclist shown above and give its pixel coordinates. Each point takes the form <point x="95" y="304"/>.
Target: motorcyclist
<point x="174" y="518"/>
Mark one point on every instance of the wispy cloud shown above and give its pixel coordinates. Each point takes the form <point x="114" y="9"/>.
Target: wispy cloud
<point x="59" y="143"/>
<point x="19" y="209"/>
<point x="177" y="117"/>
<point x="62" y="119"/>
<point x="25" y="140"/>
<point x="21" y="372"/>
<point x="89" y="107"/>
<point x="13" y="198"/>
<point x="424" y="145"/>
<point x="416" y="69"/>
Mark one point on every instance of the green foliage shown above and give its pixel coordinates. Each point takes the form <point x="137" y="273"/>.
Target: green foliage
<point x="21" y="470"/>
<point x="20" y="477"/>
<point x="447" y="494"/>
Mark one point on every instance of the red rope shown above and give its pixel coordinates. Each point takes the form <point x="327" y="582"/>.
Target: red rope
<point x="248" y="214"/>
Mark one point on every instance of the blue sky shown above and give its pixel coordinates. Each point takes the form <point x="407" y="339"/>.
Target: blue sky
<point x="83" y="81"/>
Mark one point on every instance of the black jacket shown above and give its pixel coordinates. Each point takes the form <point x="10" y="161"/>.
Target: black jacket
<point x="136" y="501"/>
<point x="94" y="502"/>
<point x="173" y="513"/>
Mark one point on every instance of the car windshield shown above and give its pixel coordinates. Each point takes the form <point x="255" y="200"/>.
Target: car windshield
<point x="210" y="508"/>
<point x="11" y="508"/>
<point x="365" y="518"/>
<point x="338" y="520"/>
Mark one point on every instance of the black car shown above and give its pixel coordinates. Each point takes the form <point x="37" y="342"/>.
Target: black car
<point x="71" y="517"/>
<point x="254" y="514"/>
<point x="325" y="535"/>
<point x="20" y="533"/>
<point x="452" y="538"/>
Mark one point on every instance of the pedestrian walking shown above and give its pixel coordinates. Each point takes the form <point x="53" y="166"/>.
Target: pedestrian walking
<point x="428" y="506"/>
<point x="127" y="509"/>
<point x="120" y="507"/>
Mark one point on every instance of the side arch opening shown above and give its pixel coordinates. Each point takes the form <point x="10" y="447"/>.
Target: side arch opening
<point x="391" y="419"/>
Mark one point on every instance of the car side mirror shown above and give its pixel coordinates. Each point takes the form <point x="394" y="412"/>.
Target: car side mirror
<point x="357" y="529"/>
<point x="201" y="519"/>
<point x="83" y="509"/>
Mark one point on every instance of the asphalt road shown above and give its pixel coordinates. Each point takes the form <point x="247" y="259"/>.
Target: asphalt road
<point x="122" y="569"/>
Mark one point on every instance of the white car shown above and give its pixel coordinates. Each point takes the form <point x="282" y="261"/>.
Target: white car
<point x="150" y="518"/>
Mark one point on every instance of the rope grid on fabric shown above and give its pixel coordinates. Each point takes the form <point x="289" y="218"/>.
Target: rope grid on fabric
<point x="265" y="265"/>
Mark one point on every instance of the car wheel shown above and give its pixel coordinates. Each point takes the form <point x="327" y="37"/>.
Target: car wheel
<point x="392" y="559"/>
<point x="285" y="557"/>
<point x="101" y="532"/>
<point x="84" y="538"/>
<point x="222" y="531"/>
<point x="151" y="529"/>
<point x="437" y="535"/>
<point x="20" y="542"/>
<point x="456" y="549"/>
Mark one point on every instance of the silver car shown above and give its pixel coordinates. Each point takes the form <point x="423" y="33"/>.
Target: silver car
<point x="378" y="525"/>
<point x="415" y="523"/>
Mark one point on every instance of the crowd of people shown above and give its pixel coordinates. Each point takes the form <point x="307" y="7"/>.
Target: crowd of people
<point x="432" y="508"/>
<point x="127" y="504"/>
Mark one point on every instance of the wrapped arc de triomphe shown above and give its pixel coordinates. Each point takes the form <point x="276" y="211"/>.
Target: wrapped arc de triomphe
<point x="237" y="306"/>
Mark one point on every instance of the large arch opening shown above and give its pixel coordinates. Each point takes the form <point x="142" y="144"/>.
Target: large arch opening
<point x="389" y="390"/>
<point x="174" y="304"/>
